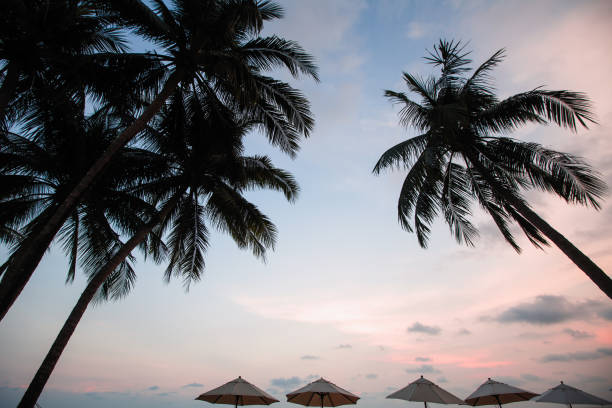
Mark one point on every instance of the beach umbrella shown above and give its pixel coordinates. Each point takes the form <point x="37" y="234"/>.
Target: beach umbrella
<point x="564" y="394"/>
<point x="423" y="390"/>
<point x="497" y="393"/>
<point x="322" y="393"/>
<point x="237" y="392"/>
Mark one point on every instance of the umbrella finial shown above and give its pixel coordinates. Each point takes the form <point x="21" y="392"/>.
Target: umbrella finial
<point x="561" y="382"/>
<point x="421" y="375"/>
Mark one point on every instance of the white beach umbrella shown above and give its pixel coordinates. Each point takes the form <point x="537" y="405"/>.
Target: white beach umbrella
<point x="237" y="392"/>
<point x="423" y="390"/>
<point x="497" y="393"/>
<point x="322" y="393"/>
<point x="564" y="394"/>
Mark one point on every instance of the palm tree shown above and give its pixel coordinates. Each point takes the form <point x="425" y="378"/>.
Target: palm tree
<point x="41" y="164"/>
<point x="207" y="175"/>
<point x="62" y="51"/>
<point x="211" y="44"/>
<point x="54" y="147"/>
<point x="462" y="154"/>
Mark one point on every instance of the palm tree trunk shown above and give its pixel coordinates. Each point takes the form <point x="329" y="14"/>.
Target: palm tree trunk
<point x="23" y="266"/>
<point x="46" y="368"/>
<point x="590" y="268"/>
<point x="28" y="256"/>
<point x="594" y="272"/>
<point x="9" y="86"/>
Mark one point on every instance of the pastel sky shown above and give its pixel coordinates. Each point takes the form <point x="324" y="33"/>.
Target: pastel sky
<point x="347" y="294"/>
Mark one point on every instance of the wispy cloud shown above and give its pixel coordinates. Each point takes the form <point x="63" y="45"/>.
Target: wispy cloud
<point x="464" y="332"/>
<point x="423" y="359"/>
<point x="309" y="357"/>
<point x="193" y="385"/>
<point x="371" y="376"/>
<point x="153" y="388"/>
<point x="418" y="327"/>
<point x="548" y="310"/>
<point x="531" y="377"/>
<point x="344" y="346"/>
<point x="578" y="334"/>
<point x="423" y="369"/>
<point x="287" y="383"/>
<point x="577" y="356"/>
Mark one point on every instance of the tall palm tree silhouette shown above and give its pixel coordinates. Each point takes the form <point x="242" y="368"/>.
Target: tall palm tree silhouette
<point x="463" y="155"/>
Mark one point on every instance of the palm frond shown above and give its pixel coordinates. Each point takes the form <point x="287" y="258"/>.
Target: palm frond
<point x="455" y="199"/>
<point x="480" y="78"/>
<point x="564" y="108"/>
<point x="489" y="202"/>
<point x="258" y="171"/>
<point x="136" y="15"/>
<point x="566" y="175"/>
<point x="271" y="52"/>
<point x="187" y="242"/>
<point x="426" y="205"/>
<point x="426" y="89"/>
<point x="289" y="101"/>
<point x="118" y="284"/>
<point x="452" y="59"/>
<point x="248" y="227"/>
<point x="403" y="153"/>
<point x="279" y="131"/>
<point x="411" y="113"/>
<point x="531" y="232"/>
<point x="411" y="187"/>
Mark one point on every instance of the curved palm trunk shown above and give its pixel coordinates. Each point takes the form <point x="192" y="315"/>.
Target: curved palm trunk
<point x="23" y="265"/>
<point x="594" y="272"/>
<point x="27" y="257"/>
<point x="46" y="368"/>
<point x="590" y="268"/>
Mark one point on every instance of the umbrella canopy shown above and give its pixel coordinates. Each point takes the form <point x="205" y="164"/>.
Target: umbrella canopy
<point x="322" y="393"/>
<point x="497" y="393"/>
<point x="564" y="394"/>
<point x="423" y="390"/>
<point x="237" y="392"/>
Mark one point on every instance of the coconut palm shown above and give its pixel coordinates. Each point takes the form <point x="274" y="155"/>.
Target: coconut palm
<point x="207" y="176"/>
<point x="214" y="45"/>
<point x="462" y="154"/>
<point x="40" y="165"/>
<point x="53" y="149"/>
<point x="52" y="50"/>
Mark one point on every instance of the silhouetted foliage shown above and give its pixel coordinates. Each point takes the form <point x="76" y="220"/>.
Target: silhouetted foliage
<point x="209" y="46"/>
<point x="463" y="154"/>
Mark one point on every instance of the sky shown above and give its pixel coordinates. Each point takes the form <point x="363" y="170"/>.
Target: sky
<point x="347" y="294"/>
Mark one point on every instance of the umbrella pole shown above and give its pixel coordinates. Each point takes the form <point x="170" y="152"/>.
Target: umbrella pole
<point x="425" y="402"/>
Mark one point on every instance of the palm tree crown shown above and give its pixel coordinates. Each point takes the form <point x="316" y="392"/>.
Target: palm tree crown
<point x="215" y="45"/>
<point x="463" y="153"/>
<point x="209" y="174"/>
